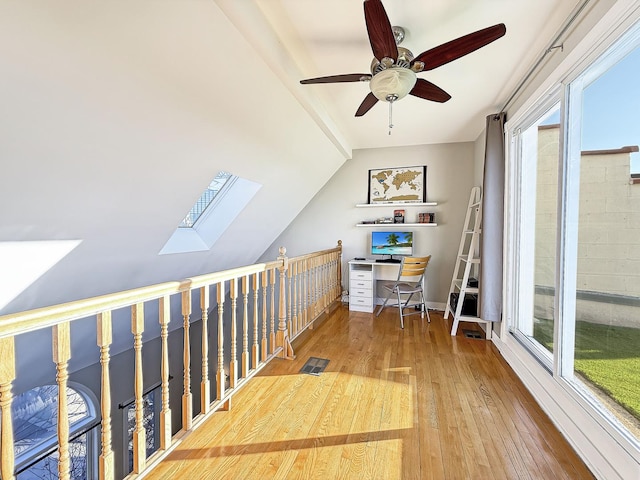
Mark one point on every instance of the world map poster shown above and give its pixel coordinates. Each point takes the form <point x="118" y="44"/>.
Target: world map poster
<point x="398" y="185"/>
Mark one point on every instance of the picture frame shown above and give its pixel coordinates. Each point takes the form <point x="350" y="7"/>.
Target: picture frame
<point x="397" y="185"/>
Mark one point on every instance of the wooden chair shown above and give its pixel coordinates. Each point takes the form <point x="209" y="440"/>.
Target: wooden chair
<point x="408" y="284"/>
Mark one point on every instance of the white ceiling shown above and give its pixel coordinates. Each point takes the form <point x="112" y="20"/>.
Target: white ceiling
<point x="309" y="38"/>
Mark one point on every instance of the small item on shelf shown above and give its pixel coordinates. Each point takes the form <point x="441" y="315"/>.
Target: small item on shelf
<point x="385" y="220"/>
<point x="398" y="216"/>
<point x="368" y="222"/>
<point x="426" y="217"/>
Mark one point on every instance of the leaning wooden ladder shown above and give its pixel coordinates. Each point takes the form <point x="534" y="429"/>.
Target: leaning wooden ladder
<point x="468" y="260"/>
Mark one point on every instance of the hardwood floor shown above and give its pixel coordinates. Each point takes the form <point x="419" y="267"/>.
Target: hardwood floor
<point x="392" y="404"/>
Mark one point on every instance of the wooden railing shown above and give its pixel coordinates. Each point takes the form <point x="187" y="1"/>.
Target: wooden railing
<point x="270" y="303"/>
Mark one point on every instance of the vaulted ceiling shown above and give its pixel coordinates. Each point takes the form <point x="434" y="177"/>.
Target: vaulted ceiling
<point x="310" y="38"/>
<point x="117" y="115"/>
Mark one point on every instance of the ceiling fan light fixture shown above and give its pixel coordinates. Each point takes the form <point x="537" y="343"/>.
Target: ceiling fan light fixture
<point x="393" y="83"/>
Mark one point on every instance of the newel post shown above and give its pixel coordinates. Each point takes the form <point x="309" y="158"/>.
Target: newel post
<point x="282" y="335"/>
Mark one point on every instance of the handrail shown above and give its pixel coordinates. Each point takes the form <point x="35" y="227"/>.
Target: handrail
<point x="30" y="320"/>
<point x="268" y="304"/>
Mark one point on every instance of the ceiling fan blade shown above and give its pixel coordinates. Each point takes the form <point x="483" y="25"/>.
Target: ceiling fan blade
<point x="383" y="42"/>
<point x="459" y="47"/>
<point x="368" y="102"/>
<point x="429" y="91"/>
<point x="348" y="77"/>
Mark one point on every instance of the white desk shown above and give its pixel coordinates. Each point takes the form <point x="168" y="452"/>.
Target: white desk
<point x="363" y="275"/>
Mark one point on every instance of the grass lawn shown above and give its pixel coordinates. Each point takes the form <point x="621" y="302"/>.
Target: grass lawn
<point x="608" y="356"/>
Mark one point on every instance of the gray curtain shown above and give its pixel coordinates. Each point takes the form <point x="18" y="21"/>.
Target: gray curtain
<point x="492" y="220"/>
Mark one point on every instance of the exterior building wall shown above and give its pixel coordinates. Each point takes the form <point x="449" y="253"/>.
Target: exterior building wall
<point x="608" y="280"/>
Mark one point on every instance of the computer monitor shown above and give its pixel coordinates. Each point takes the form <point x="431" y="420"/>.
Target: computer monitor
<point x="391" y="243"/>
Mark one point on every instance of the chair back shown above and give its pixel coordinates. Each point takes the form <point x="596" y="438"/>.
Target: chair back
<point x="413" y="267"/>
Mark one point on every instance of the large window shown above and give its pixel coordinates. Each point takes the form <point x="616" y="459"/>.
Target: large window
<point x="540" y="152"/>
<point x="35" y="420"/>
<point x="606" y="357"/>
<point x="151" y="403"/>
<point x="577" y="294"/>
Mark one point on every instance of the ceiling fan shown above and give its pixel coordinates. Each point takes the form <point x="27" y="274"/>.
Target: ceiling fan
<point x="394" y="68"/>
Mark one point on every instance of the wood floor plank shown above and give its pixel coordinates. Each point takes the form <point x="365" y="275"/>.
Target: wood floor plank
<point x="412" y="403"/>
<point x="429" y="439"/>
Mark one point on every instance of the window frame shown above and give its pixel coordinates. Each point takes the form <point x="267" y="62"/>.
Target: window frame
<point x="525" y="202"/>
<point x="603" y="442"/>
<point x="126" y="434"/>
<point x="85" y="426"/>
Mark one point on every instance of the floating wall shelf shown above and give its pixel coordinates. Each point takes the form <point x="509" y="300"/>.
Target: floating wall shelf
<point x="396" y="225"/>
<point x="396" y="205"/>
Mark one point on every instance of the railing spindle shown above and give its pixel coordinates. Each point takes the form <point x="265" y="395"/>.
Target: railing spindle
<point x="7" y="376"/>
<point x="320" y="293"/>
<point x="272" y="284"/>
<point x="104" y="338"/>
<point x="61" y="356"/>
<point x="233" y="365"/>
<point x="289" y="299"/>
<point x="316" y="310"/>
<point x="165" y="412"/>
<point x="304" y="275"/>
<point x="221" y="378"/>
<point x="325" y="284"/>
<point x="204" y="384"/>
<point x="321" y="289"/>
<point x="245" y="326"/>
<point x="339" y="270"/>
<point x="265" y="283"/>
<point x="297" y="301"/>
<point x="187" y="405"/>
<point x="255" y="349"/>
<point x="304" y="313"/>
<point x="306" y="291"/>
<point x="139" y="434"/>
<point x="312" y="288"/>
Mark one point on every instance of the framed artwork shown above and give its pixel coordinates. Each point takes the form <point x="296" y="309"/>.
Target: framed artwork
<point x="398" y="185"/>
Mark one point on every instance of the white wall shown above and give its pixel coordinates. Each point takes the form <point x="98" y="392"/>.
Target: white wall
<point x="115" y="117"/>
<point x="332" y="215"/>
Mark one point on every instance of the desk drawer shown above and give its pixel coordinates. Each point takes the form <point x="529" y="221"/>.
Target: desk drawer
<point x="360" y="301"/>
<point x="355" y="284"/>
<point x="360" y="292"/>
<point x="361" y="275"/>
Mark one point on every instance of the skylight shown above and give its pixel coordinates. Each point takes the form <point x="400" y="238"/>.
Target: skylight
<point x="216" y="209"/>
<point x="205" y="199"/>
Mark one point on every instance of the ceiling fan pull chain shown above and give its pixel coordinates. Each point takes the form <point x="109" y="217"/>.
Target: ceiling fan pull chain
<point x="391" y="100"/>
